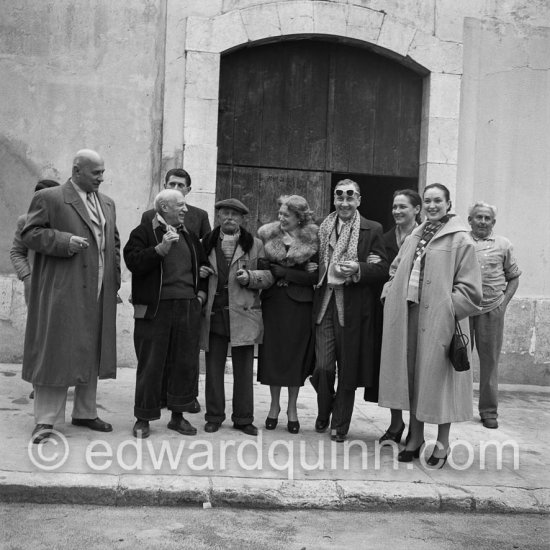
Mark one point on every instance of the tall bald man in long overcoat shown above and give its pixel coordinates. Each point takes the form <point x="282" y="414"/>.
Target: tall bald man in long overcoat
<point x="71" y="333"/>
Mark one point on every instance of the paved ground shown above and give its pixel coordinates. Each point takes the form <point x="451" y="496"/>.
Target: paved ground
<point x="504" y="470"/>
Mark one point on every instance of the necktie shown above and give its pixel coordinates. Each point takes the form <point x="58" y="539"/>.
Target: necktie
<point x="93" y="211"/>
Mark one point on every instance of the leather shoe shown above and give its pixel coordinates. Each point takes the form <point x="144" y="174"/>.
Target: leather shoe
<point x="321" y="425"/>
<point x="193" y="408"/>
<point x="337" y="436"/>
<point x="490" y="423"/>
<point x="437" y="463"/>
<point x="293" y="426"/>
<point x="393" y="436"/>
<point x="271" y="423"/>
<point x="407" y="456"/>
<point x="182" y="426"/>
<point x="248" y="429"/>
<point x="141" y="429"/>
<point x="41" y="432"/>
<point x="93" y="423"/>
<point x="211" y="427"/>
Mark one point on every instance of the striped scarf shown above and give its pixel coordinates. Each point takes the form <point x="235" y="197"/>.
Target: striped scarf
<point x="229" y="244"/>
<point x="430" y="229"/>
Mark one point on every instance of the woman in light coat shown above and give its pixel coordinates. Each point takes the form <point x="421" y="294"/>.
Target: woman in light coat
<point x="434" y="278"/>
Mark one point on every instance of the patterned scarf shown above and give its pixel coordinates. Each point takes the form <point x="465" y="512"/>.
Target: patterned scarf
<point x="430" y="229"/>
<point x="345" y="248"/>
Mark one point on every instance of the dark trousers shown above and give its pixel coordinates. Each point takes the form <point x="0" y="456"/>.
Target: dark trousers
<point x="170" y="339"/>
<point x="329" y="338"/>
<point x="486" y="334"/>
<point x="243" y="396"/>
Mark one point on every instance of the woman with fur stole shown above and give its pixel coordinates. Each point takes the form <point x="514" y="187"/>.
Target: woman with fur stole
<point x="286" y="356"/>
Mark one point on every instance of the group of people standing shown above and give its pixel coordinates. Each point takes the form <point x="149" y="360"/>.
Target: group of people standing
<point x="309" y="295"/>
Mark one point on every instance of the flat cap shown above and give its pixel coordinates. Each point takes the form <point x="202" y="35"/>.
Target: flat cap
<point x="232" y="203"/>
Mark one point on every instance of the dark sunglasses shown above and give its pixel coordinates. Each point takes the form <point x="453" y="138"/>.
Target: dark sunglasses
<point x="348" y="192"/>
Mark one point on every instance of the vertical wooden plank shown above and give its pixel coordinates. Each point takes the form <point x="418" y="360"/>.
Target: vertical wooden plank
<point x="364" y="87"/>
<point x="386" y="157"/>
<point x="409" y="125"/>
<point x="248" y="110"/>
<point x="307" y="85"/>
<point x="274" y="151"/>
<point x="223" y="181"/>
<point x="226" y="109"/>
<point x="244" y="186"/>
<point x="352" y="118"/>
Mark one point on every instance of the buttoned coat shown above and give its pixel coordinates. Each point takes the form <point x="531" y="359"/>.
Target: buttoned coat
<point x="361" y="348"/>
<point x="245" y="314"/>
<point x="451" y="286"/>
<point x="62" y="336"/>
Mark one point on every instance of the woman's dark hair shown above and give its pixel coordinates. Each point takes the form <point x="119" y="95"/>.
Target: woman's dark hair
<point x="44" y="184"/>
<point x="414" y="198"/>
<point x="298" y="206"/>
<point x="441" y="187"/>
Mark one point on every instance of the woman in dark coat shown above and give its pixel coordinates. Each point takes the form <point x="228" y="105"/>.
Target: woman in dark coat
<point x="406" y="208"/>
<point x="286" y="356"/>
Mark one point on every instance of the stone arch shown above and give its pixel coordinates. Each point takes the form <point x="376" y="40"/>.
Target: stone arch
<point x="193" y="66"/>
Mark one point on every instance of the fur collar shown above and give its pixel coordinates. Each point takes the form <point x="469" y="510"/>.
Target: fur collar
<point x="246" y="240"/>
<point x="304" y="246"/>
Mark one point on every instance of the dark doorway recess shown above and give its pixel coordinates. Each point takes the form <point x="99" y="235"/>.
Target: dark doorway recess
<point x="376" y="194"/>
<point x="296" y="115"/>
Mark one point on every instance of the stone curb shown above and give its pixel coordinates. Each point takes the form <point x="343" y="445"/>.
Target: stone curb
<point x="169" y="490"/>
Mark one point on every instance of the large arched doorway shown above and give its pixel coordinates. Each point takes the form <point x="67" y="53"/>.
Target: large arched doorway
<point x="297" y="116"/>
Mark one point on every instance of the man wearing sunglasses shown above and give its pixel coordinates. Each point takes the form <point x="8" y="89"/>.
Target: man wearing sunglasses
<point x="352" y="264"/>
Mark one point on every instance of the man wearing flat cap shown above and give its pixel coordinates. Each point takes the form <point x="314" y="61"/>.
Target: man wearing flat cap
<point x="233" y="314"/>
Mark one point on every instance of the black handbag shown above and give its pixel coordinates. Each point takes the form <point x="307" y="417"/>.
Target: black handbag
<point x="458" y="350"/>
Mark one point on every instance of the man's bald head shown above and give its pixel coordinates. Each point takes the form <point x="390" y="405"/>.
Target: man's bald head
<point x="88" y="168"/>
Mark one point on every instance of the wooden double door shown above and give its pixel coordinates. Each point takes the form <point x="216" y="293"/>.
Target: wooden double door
<point x="297" y="116"/>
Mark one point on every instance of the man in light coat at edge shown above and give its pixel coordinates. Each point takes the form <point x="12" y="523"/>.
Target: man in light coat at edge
<point x="71" y="325"/>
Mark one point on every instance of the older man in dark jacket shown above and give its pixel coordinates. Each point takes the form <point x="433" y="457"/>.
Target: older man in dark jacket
<point x="167" y="295"/>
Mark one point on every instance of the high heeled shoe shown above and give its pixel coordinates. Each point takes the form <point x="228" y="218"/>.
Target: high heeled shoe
<point x="393" y="436"/>
<point x="436" y="462"/>
<point x="271" y="423"/>
<point x="407" y="456"/>
<point x="293" y="426"/>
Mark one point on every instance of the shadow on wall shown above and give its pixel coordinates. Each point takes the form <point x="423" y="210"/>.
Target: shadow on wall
<point x="18" y="176"/>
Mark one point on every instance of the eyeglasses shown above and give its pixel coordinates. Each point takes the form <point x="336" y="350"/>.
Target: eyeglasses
<point x="347" y="192"/>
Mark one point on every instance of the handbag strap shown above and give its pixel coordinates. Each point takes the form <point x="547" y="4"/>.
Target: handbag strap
<point x="460" y="333"/>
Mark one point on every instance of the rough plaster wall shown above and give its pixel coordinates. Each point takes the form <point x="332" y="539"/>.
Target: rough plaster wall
<point x="503" y="159"/>
<point x="73" y="74"/>
<point x="504" y="138"/>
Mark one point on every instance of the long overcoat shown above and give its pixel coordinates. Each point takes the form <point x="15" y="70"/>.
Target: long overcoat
<point x="361" y="350"/>
<point x="62" y="333"/>
<point x="451" y="286"/>
<point x="245" y="314"/>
